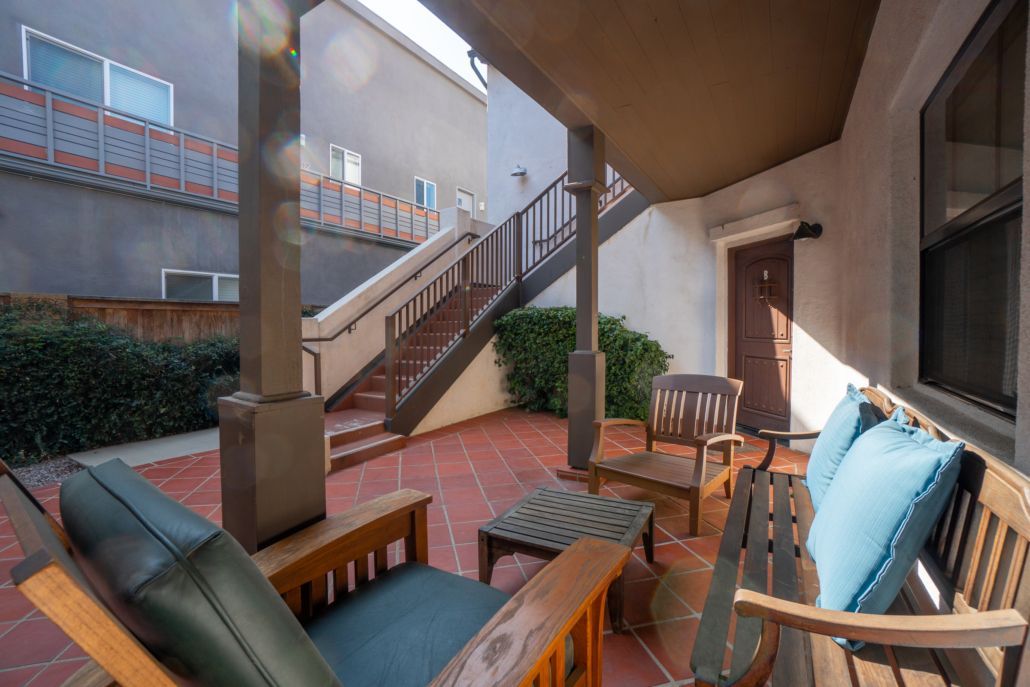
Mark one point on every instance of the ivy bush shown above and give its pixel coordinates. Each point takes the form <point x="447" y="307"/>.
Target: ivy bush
<point x="72" y="383"/>
<point x="535" y="343"/>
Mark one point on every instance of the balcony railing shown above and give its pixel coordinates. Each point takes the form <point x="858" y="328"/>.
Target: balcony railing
<point x="63" y="131"/>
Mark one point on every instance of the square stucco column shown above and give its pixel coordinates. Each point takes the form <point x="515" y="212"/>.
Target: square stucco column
<point x="586" y="363"/>
<point x="271" y="431"/>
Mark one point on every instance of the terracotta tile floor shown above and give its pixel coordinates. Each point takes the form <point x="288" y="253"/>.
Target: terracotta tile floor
<point x="474" y="470"/>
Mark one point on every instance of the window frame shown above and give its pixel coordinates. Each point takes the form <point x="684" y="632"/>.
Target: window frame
<point x="343" y="170"/>
<point x="106" y="63"/>
<point x="414" y="193"/>
<point x="215" y="276"/>
<point x="462" y="189"/>
<point x="1003" y="202"/>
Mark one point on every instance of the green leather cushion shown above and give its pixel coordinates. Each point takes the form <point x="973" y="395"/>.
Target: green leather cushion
<point x="402" y="628"/>
<point x="185" y="587"/>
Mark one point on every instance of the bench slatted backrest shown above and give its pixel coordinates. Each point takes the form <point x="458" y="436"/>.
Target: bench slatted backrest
<point x="50" y="579"/>
<point x="976" y="558"/>
<point x="687" y="406"/>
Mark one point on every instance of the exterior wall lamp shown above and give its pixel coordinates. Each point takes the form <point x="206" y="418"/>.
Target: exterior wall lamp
<point x="519" y="171"/>
<point x="808" y="231"/>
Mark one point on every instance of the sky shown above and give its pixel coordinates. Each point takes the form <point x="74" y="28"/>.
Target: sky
<point x="420" y="25"/>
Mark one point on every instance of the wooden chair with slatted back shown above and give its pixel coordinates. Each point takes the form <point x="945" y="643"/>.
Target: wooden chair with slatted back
<point x="699" y="411"/>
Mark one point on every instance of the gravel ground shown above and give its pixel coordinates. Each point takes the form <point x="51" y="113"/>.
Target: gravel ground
<point x="49" y="471"/>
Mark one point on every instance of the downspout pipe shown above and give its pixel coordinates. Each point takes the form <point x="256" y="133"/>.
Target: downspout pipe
<point x="473" y="56"/>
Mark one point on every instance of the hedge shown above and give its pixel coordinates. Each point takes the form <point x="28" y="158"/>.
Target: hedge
<point x="72" y="383"/>
<point x="535" y="343"/>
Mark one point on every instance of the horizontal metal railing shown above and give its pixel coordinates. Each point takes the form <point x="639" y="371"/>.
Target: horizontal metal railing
<point x="422" y="330"/>
<point x="58" y="129"/>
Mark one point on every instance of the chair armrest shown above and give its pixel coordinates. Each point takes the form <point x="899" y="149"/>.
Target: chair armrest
<point x="773" y="437"/>
<point x="706" y="440"/>
<point x="525" y="640"/>
<point x="1005" y="627"/>
<point x="597" y="452"/>
<point x="337" y="540"/>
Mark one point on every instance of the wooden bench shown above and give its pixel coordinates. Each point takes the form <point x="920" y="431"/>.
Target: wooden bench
<point x="960" y="619"/>
<point x="524" y="643"/>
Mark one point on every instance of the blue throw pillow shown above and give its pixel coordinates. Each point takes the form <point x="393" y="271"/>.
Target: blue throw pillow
<point x="884" y="501"/>
<point x="852" y="416"/>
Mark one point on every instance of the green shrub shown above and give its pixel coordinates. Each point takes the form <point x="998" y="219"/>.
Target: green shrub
<point x="536" y="342"/>
<point x="70" y="384"/>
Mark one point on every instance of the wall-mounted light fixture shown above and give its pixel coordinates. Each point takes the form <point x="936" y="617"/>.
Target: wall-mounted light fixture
<point x="519" y="171"/>
<point x="808" y="231"/>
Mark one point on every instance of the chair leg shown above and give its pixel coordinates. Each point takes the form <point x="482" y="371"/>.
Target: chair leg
<point x="728" y="486"/>
<point x="595" y="481"/>
<point x="695" y="512"/>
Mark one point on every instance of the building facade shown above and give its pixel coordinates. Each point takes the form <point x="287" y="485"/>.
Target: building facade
<point x="118" y="148"/>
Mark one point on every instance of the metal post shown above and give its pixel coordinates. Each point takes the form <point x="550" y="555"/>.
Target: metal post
<point x="146" y="153"/>
<point x="271" y="432"/>
<point x="391" y="367"/>
<point x="49" y="126"/>
<point x="380" y="213"/>
<point x="214" y="170"/>
<point x="182" y="159"/>
<point x="586" y="363"/>
<point x="466" y="293"/>
<point x="361" y="208"/>
<point x="518" y="245"/>
<point x="321" y="205"/>
<point x="101" y="144"/>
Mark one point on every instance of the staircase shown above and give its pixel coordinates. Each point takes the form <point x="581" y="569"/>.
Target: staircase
<point x="432" y="337"/>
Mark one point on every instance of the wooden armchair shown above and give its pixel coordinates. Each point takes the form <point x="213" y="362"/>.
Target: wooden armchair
<point x="524" y="643"/>
<point x="691" y="410"/>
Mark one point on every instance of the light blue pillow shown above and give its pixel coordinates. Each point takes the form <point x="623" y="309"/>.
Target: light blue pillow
<point x="887" y="495"/>
<point x="852" y="416"/>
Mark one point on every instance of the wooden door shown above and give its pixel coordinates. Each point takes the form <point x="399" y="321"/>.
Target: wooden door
<point x="761" y="331"/>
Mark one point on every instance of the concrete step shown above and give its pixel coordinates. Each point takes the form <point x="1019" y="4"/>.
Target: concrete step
<point x="364" y="449"/>
<point x="370" y="400"/>
<point x="378" y="382"/>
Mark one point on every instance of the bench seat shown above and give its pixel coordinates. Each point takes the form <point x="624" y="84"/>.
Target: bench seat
<point x="960" y="618"/>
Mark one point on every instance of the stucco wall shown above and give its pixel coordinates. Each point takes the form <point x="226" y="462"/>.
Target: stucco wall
<point x="68" y="239"/>
<point x="519" y="131"/>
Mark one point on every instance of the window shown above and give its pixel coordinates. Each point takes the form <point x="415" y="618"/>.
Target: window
<point x="345" y="165"/>
<point x="972" y="214"/>
<point x="199" y="286"/>
<point x="64" y="67"/>
<point x="425" y="193"/>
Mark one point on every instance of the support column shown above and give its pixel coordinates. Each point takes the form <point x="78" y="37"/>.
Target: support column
<point x="271" y="431"/>
<point x="586" y="363"/>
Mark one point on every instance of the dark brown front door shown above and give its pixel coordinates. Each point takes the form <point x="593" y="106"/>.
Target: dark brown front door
<point x="761" y="332"/>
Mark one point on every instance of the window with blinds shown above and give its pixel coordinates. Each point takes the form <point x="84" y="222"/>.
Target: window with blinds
<point x="344" y="165"/>
<point x="972" y="214"/>
<point x="200" y="286"/>
<point x="64" y="68"/>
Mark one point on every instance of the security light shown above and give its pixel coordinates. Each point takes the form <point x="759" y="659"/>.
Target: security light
<point x="808" y="231"/>
<point x="519" y="171"/>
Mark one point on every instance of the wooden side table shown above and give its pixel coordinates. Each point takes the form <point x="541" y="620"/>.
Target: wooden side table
<point x="547" y="521"/>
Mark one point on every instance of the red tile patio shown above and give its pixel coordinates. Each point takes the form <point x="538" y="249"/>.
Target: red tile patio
<point x="474" y="470"/>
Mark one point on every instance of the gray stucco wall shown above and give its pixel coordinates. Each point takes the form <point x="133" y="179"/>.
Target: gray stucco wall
<point x="362" y="89"/>
<point x="68" y="239"/>
<point x="519" y="131"/>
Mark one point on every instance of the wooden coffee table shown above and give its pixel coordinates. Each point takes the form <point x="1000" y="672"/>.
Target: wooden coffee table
<point x="546" y="522"/>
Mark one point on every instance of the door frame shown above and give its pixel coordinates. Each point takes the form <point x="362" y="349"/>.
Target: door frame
<point x="731" y="302"/>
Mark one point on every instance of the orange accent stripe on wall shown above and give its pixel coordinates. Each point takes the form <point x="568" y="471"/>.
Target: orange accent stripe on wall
<point x="420" y="239"/>
<point x="420" y="213"/>
<point x="351" y="191"/>
<point x="309" y="178"/>
<point x="434" y="215"/>
<point x="202" y="189"/>
<point x="127" y="172"/>
<point x="389" y="232"/>
<point x="198" y="146"/>
<point x="372" y="228"/>
<point x="404" y="207"/>
<point x="22" y="148"/>
<point x="330" y="186"/>
<point x="13" y="91"/>
<point x="371" y="196"/>
<point x="228" y="195"/>
<point x="162" y="180"/>
<point x="352" y="224"/>
<point x="167" y="138"/>
<point x="310" y="214"/>
<point x="77" y="111"/>
<point x="389" y="202"/>
<point x="76" y="160"/>
<point x="332" y="219"/>
<point x="118" y="123"/>
<point x="229" y="155"/>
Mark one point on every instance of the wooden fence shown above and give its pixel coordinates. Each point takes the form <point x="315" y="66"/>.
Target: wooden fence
<point x="149" y="319"/>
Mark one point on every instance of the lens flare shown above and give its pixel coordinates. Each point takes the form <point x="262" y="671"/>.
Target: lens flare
<point x="350" y="60"/>
<point x="265" y="23"/>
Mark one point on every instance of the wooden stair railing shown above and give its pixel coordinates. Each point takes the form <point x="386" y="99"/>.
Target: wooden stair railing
<point x="428" y="325"/>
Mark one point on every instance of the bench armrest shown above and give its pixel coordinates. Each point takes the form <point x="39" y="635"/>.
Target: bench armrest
<point x="773" y="437"/>
<point x="706" y="440"/>
<point x="525" y="640"/>
<point x="332" y="543"/>
<point x="597" y="453"/>
<point x="1005" y="627"/>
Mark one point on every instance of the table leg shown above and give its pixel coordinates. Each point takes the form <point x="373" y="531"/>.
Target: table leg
<point x="486" y="559"/>
<point x="649" y="539"/>
<point x="616" y="592"/>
